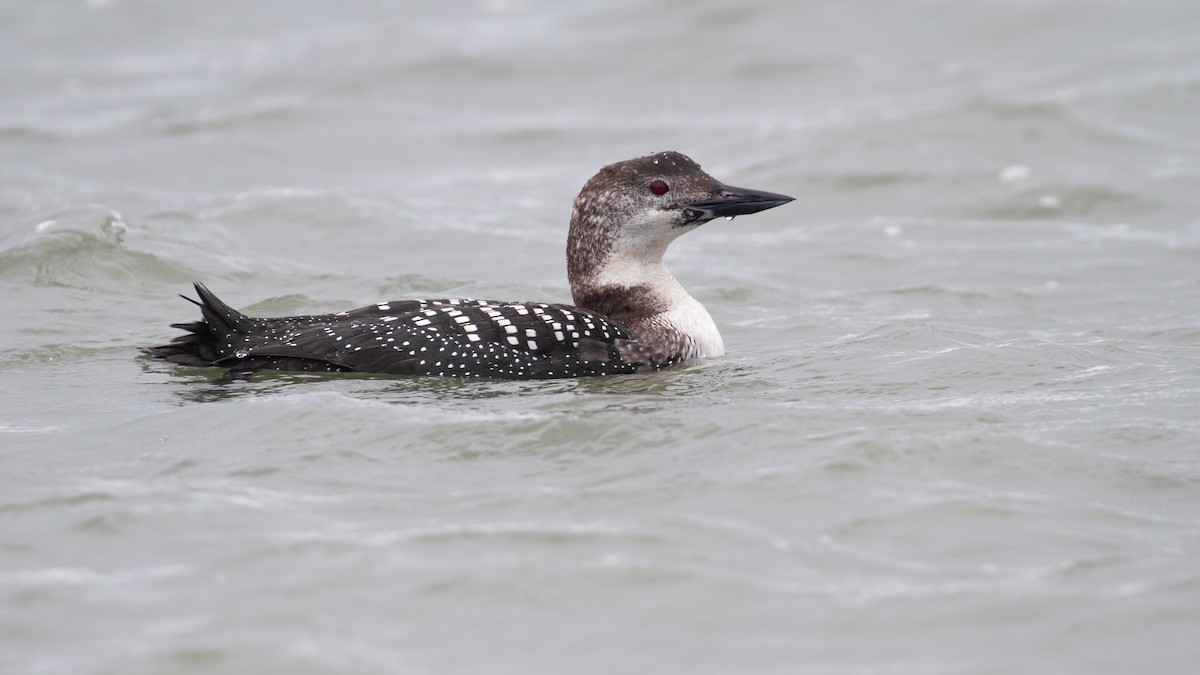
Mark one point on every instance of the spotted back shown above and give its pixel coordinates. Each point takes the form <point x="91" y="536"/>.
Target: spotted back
<point x="456" y="337"/>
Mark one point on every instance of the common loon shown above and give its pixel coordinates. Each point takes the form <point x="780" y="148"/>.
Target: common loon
<point x="630" y="314"/>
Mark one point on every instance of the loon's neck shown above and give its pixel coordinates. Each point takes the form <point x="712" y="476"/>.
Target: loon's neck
<point x="646" y="298"/>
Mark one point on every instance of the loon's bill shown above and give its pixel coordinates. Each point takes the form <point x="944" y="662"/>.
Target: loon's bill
<point x="630" y="313"/>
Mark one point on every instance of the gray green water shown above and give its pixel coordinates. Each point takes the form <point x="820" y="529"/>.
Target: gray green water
<point x="956" y="431"/>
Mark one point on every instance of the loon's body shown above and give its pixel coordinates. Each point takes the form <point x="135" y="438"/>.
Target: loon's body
<point x="630" y="314"/>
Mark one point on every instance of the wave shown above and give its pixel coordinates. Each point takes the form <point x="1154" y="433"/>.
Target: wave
<point x="82" y="247"/>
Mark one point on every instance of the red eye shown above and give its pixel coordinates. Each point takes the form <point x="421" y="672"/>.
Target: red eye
<point x="659" y="187"/>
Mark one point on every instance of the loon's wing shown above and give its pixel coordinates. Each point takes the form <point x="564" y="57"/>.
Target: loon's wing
<point x="471" y="338"/>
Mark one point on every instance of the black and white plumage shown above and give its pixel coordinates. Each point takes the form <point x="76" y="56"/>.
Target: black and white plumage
<point x="473" y="338"/>
<point x="631" y="314"/>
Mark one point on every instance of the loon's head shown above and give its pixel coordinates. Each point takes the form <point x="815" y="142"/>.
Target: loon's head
<point x="632" y="210"/>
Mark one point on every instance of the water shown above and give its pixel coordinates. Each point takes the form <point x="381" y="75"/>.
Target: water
<point x="955" y="431"/>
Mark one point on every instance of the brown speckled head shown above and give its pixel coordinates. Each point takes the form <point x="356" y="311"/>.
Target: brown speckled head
<point x="619" y="199"/>
<point x="633" y="209"/>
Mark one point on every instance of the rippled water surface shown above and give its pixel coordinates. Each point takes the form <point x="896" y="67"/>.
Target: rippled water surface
<point x="956" y="431"/>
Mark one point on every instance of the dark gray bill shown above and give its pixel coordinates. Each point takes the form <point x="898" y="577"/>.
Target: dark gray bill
<point x="734" y="201"/>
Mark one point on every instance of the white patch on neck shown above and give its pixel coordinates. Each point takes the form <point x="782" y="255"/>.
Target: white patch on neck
<point x="690" y="318"/>
<point x="636" y="259"/>
<point x="683" y="312"/>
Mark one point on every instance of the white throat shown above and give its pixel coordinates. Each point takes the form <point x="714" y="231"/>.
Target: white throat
<point x="679" y="310"/>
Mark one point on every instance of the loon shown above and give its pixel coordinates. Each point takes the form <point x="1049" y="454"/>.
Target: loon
<point x="630" y="313"/>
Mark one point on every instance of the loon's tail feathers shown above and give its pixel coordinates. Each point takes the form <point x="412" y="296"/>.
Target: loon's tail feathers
<point x="222" y="319"/>
<point x="200" y="346"/>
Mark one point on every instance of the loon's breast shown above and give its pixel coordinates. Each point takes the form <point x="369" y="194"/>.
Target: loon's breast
<point x="457" y="337"/>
